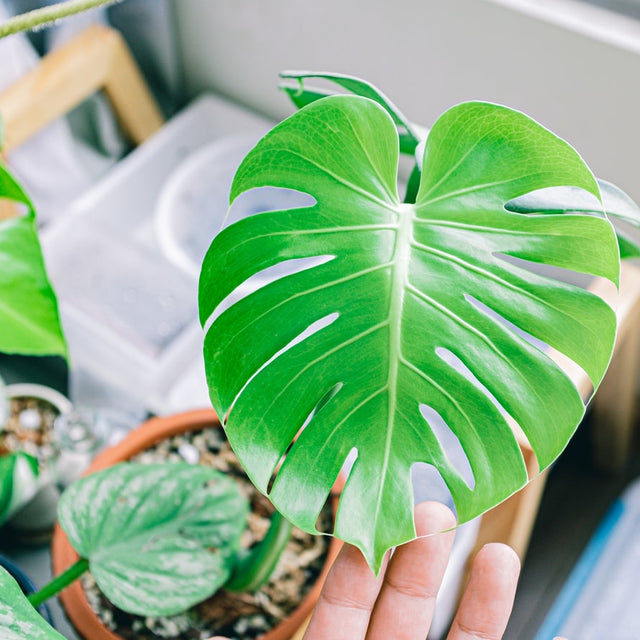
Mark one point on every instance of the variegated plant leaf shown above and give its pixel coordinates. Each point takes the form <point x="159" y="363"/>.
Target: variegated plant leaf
<point x="159" y="537"/>
<point x="18" y="619"/>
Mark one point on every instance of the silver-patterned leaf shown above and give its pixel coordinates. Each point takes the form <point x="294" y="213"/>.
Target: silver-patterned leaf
<point x="18" y="619"/>
<point x="159" y="538"/>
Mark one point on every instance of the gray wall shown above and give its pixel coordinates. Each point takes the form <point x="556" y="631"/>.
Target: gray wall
<point x="572" y="66"/>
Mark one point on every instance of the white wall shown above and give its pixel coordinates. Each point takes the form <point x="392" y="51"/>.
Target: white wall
<point x="574" y="67"/>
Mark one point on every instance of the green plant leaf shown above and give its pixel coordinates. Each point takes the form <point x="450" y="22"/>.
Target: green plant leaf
<point x="615" y="202"/>
<point x="301" y="96"/>
<point x="18" y="482"/>
<point x="28" y="308"/>
<point x="160" y="537"/>
<point x="18" y="619"/>
<point x="410" y="317"/>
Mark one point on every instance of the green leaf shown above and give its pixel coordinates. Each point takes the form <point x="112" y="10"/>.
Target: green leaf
<point x="159" y="538"/>
<point x="409" y="134"/>
<point x="28" y="308"/>
<point x="18" y="619"/>
<point x="615" y="202"/>
<point x="415" y="311"/>
<point x="18" y="482"/>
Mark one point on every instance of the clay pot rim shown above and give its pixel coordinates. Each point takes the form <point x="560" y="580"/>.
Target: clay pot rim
<point x="40" y="392"/>
<point x="77" y="608"/>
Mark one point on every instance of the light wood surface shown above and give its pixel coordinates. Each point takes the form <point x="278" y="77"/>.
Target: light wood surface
<point x="614" y="405"/>
<point x="612" y="419"/>
<point x="7" y="209"/>
<point x="97" y="59"/>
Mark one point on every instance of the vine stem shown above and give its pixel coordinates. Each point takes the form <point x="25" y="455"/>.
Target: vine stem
<point x="47" y="15"/>
<point x="59" y="582"/>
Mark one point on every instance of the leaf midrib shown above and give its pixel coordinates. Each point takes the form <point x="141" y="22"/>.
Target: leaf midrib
<point x="401" y="262"/>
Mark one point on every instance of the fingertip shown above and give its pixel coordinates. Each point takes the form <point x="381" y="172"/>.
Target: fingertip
<point x="497" y="554"/>
<point x="487" y="601"/>
<point x="433" y="517"/>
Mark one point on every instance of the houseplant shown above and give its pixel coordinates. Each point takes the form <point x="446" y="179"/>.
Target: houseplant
<point x="356" y="368"/>
<point x="171" y="432"/>
<point x="159" y="537"/>
<point x="30" y="322"/>
<point x="397" y="317"/>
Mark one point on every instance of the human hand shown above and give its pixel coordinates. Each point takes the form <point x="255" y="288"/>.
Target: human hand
<point x="400" y="603"/>
<point x="354" y="605"/>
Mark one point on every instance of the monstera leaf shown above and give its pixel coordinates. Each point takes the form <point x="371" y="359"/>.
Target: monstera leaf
<point x="402" y="325"/>
<point x="159" y="538"/>
<point x="18" y="619"/>
<point x="29" y="319"/>
<point x="615" y="202"/>
<point x="301" y="96"/>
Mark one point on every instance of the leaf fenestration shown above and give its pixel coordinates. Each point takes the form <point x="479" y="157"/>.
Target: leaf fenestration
<point x="404" y="285"/>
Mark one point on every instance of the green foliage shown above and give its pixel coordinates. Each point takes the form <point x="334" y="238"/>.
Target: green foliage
<point x="616" y="203"/>
<point x="159" y="538"/>
<point x="28" y="308"/>
<point x="18" y="619"/>
<point x="18" y="481"/>
<point x="301" y="96"/>
<point x="399" y="293"/>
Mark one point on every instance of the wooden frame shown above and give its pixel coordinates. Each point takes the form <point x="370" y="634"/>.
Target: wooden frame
<point x="97" y="59"/>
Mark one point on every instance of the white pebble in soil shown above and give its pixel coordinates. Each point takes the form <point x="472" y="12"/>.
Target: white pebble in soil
<point x="189" y="453"/>
<point x="30" y="419"/>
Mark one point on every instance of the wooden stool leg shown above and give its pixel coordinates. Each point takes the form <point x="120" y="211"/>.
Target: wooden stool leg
<point x="614" y="405"/>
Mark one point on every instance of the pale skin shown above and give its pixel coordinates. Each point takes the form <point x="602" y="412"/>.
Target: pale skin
<point x="399" y="604"/>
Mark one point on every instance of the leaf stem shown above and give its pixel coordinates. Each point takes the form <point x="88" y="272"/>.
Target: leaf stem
<point x="47" y="15"/>
<point x="59" y="582"/>
<point x="413" y="185"/>
<point x="255" y="567"/>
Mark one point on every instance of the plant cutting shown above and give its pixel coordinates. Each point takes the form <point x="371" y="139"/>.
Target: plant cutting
<point x="405" y="320"/>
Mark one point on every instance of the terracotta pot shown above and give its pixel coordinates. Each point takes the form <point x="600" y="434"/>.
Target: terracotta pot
<point x="148" y="434"/>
